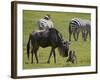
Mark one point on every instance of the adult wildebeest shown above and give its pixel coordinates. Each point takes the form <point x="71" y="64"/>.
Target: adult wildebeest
<point x="47" y="38"/>
<point x="78" y="25"/>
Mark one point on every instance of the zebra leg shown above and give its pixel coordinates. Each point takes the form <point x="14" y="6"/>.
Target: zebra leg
<point x="54" y="56"/>
<point x="86" y="35"/>
<point x="90" y="34"/>
<point x="83" y="35"/>
<point x="78" y="34"/>
<point x="70" y="33"/>
<point x="74" y="35"/>
<point x="50" y="56"/>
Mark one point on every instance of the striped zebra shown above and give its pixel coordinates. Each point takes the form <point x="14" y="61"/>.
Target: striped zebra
<point x="45" y="23"/>
<point x="79" y="25"/>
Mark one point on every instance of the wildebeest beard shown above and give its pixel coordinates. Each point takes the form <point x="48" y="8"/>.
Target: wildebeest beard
<point x="63" y="50"/>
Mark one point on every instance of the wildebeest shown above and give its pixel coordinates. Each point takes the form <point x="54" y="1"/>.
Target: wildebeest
<point x="47" y="38"/>
<point x="78" y="25"/>
<point x="72" y="57"/>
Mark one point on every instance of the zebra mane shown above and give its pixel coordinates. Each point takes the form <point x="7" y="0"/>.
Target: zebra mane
<point x="76" y="20"/>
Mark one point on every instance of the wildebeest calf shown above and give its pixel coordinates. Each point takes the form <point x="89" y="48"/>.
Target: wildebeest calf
<point x="72" y="57"/>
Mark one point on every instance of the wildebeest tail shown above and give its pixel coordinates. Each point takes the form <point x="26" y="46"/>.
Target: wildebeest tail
<point x="28" y="47"/>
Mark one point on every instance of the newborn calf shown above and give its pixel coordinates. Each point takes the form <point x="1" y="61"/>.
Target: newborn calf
<point x="72" y="57"/>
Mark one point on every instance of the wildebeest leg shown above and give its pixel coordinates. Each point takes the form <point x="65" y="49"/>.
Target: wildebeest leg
<point x="50" y="56"/>
<point x="32" y="55"/>
<point x="34" y="51"/>
<point x="54" y="55"/>
<point x="36" y="54"/>
<point x="36" y="57"/>
<point x="36" y="47"/>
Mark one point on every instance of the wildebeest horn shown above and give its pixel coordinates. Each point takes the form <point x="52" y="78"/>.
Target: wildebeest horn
<point x="60" y="35"/>
<point x="69" y="43"/>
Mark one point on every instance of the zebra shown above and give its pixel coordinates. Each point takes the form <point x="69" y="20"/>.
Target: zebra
<point x="79" y="25"/>
<point x="45" y="23"/>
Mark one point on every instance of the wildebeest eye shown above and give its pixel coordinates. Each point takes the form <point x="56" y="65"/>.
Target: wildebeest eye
<point x="65" y="43"/>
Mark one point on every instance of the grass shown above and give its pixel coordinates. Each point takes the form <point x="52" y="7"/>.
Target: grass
<point x="61" y="21"/>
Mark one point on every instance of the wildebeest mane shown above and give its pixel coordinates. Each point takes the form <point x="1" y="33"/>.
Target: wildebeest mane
<point x="51" y="30"/>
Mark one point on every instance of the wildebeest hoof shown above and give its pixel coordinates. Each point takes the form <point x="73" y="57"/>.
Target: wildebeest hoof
<point x="26" y="62"/>
<point x="55" y="62"/>
<point x="75" y="39"/>
<point x="31" y="62"/>
<point x="48" y="62"/>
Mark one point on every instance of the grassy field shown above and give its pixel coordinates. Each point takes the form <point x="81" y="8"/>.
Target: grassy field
<point x="61" y="21"/>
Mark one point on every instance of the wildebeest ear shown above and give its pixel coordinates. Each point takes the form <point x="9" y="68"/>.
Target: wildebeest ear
<point x="68" y="42"/>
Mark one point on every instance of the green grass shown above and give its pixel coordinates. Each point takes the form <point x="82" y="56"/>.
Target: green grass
<point x="61" y="21"/>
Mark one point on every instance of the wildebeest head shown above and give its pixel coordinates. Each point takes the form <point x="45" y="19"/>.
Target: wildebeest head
<point x="63" y="48"/>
